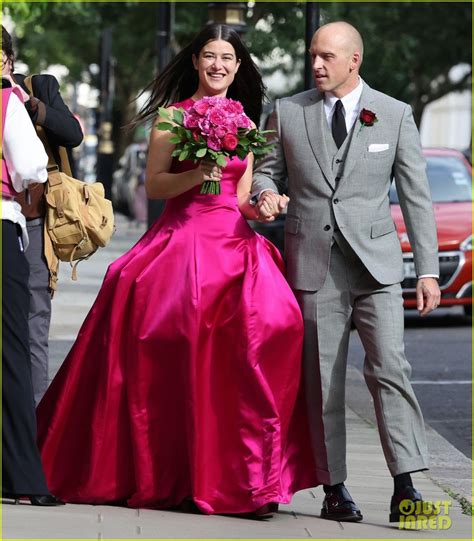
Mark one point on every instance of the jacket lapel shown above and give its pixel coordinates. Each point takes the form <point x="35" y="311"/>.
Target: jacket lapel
<point x="358" y="142"/>
<point x="316" y="130"/>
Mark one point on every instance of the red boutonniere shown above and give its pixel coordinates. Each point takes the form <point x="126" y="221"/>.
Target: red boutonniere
<point x="367" y="117"/>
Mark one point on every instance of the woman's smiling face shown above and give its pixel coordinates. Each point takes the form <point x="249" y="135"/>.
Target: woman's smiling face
<point x="217" y="65"/>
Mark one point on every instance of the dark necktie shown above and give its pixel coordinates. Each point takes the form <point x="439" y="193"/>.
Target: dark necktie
<point x="338" y="126"/>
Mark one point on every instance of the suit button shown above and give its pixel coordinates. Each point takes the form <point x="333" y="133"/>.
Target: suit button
<point x="337" y="179"/>
<point x="336" y="201"/>
<point x="327" y="227"/>
<point x="338" y="161"/>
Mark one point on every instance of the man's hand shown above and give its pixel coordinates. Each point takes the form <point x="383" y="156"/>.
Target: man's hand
<point x="270" y="205"/>
<point x="428" y="295"/>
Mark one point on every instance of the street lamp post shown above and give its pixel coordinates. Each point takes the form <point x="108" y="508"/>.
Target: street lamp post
<point x="105" y="150"/>
<point x="312" y="24"/>
<point x="163" y="56"/>
<point x="229" y="13"/>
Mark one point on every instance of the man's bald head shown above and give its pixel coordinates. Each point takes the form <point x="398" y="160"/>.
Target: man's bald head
<point x="336" y="52"/>
<point x="345" y="35"/>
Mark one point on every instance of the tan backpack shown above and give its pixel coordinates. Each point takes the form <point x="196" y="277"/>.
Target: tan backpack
<point x="79" y="219"/>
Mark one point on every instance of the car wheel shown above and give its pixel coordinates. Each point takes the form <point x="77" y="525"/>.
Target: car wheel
<point x="468" y="310"/>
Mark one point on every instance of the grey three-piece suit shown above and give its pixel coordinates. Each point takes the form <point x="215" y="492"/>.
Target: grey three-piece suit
<point x="344" y="263"/>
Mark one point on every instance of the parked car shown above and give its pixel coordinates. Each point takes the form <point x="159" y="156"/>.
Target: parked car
<point x="449" y="175"/>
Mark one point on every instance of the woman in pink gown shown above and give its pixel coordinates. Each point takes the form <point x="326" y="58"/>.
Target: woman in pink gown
<point x="184" y="381"/>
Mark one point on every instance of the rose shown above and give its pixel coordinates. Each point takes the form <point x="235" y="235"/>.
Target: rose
<point x="190" y="120"/>
<point x="217" y="117"/>
<point x="230" y="126"/>
<point x="229" y="141"/>
<point x="220" y="131"/>
<point x="245" y="122"/>
<point x="204" y="126"/>
<point x="214" y="143"/>
<point x="233" y="107"/>
<point x="367" y="117"/>
<point x="201" y="107"/>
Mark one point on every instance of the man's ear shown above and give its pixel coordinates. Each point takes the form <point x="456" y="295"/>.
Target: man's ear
<point x="355" y="60"/>
<point x="195" y="61"/>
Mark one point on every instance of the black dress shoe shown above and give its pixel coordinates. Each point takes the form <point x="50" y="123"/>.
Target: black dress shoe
<point x="339" y="505"/>
<point x="48" y="500"/>
<point x="412" y="507"/>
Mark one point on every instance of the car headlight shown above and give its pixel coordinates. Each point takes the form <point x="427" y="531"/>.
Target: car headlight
<point x="466" y="245"/>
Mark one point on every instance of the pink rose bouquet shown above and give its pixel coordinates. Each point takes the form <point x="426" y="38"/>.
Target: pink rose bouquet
<point x="215" y="128"/>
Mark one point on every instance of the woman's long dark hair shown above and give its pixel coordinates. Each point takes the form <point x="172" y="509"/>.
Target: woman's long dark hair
<point x="179" y="80"/>
<point x="7" y="46"/>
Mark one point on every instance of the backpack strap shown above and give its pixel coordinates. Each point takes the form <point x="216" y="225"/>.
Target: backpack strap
<point x="65" y="165"/>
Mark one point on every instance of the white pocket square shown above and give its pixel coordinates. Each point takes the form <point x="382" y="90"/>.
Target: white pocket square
<point x="378" y="148"/>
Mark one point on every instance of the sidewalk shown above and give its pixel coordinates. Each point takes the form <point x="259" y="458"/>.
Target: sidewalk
<point x="369" y="481"/>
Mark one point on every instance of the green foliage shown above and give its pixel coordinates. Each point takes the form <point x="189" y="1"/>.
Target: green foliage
<point x="410" y="47"/>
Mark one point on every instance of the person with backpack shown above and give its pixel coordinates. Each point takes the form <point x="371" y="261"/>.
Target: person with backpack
<point x="46" y="108"/>
<point x="23" y="161"/>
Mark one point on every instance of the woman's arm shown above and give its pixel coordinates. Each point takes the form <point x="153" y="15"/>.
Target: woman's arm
<point x="244" y="187"/>
<point x="159" y="183"/>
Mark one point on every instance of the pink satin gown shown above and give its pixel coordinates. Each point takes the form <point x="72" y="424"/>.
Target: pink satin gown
<point x="184" y="380"/>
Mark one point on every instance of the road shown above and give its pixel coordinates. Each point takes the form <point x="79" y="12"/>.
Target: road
<point x="439" y="350"/>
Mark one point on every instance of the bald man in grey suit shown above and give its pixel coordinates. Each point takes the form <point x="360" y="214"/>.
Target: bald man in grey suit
<point x="340" y="146"/>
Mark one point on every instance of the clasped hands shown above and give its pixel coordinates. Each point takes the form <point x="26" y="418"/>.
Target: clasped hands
<point x="269" y="205"/>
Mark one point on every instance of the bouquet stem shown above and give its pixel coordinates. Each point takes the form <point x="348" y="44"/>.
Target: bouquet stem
<point x="212" y="187"/>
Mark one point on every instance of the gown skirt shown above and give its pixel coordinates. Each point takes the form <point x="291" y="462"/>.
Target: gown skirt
<point x="184" y="380"/>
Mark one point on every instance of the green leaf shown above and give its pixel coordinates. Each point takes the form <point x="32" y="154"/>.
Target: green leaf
<point x="164" y="113"/>
<point x="242" y="154"/>
<point x="175" y="140"/>
<point x="221" y="161"/>
<point x="183" y="155"/>
<point x="201" y="153"/>
<point x="178" y="116"/>
<point x="164" y="126"/>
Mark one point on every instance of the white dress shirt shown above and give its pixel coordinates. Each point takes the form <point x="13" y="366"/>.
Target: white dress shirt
<point x="25" y="157"/>
<point x="350" y="102"/>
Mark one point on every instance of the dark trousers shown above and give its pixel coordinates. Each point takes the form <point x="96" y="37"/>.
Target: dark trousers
<point x="40" y="308"/>
<point x="21" y="464"/>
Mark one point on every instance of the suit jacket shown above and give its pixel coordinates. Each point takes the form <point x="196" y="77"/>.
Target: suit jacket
<point x="61" y="127"/>
<point x="358" y="202"/>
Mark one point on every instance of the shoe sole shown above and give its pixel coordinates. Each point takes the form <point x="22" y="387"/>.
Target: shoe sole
<point x="342" y="518"/>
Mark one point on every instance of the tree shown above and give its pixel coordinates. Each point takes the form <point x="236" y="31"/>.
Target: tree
<point x="410" y="47"/>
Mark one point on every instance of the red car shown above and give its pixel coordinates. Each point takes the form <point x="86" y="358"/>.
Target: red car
<point x="449" y="174"/>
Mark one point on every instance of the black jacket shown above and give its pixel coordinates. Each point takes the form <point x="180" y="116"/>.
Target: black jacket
<point x="61" y="127"/>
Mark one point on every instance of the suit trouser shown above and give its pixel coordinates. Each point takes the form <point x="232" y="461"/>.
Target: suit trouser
<point x="40" y="308"/>
<point x="21" y="464"/>
<point x="351" y="293"/>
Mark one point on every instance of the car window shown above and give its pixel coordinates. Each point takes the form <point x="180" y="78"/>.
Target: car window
<point x="449" y="180"/>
